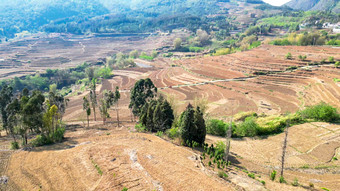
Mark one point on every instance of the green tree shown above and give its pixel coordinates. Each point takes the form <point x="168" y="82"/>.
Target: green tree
<point x="58" y="100"/>
<point x="116" y="100"/>
<point x="90" y="73"/>
<point x="6" y="95"/>
<point x="142" y="91"/>
<point x="163" y="115"/>
<point x="193" y="126"/>
<point x="93" y="96"/>
<point x="12" y="111"/>
<point x="31" y="113"/>
<point x="200" y="128"/>
<point x="87" y="108"/>
<point x="134" y="54"/>
<point x="177" y="43"/>
<point x="104" y="107"/>
<point x="187" y="125"/>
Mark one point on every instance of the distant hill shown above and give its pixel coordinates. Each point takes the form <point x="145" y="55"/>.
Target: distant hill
<point x="81" y="16"/>
<point x="315" y="5"/>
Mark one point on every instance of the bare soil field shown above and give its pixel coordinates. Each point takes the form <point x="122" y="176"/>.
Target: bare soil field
<point x="131" y="160"/>
<point x="53" y="51"/>
<point x="111" y="158"/>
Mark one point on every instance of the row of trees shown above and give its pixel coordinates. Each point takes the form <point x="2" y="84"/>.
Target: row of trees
<point x="108" y="99"/>
<point x="29" y="112"/>
<point x="156" y="114"/>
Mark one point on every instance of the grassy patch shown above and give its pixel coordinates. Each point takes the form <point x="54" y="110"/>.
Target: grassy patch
<point x="97" y="167"/>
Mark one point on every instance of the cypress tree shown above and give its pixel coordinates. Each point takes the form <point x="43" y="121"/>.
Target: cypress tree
<point x="187" y="124"/>
<point x="200" y="127"/>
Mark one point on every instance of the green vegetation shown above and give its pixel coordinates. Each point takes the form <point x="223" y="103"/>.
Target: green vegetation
<point x="337" y="64"/>
<point x="173" y="133"/>
<point x="157" y="115"/>
<point x="289" y="56"/>
<point x="273" y="175"/>
<point x="282" y="180"/>
<point x="248" y="128"/>
<point x="100" y="172"/>
<point x="222" y="174"/>
<point x="308" y="39"/>
<point x="302" y="58"/>
<point x="218" y="127"/>
<point x="143" y="90"/>
<point x="323" y="188"/>
<point x="321" y="112"/>
<point x="251" y="175"/>
<point x="29" y="112"/>
<point x="296" y="182"/>
<point x="14" y="145"/>
<point x="267" y="125"/>
<point x="192" y="125"/>
<point x="216" y="154"/>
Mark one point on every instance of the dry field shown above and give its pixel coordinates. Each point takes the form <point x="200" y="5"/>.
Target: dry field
<point x="146" y="162"/>
<point x="56" y="51"/>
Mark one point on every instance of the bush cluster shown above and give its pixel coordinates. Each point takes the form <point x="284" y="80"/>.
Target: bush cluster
<point x="54" y="137"/>
<point x="250" y="125"/>
<point x="157" y="115"/>
<point x="215" y="154"/>
<point x="218" y="127"/>
<point x="321" y="112"/>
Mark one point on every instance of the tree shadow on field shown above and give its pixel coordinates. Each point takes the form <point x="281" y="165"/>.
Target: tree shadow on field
<point x="66" y="143"/>
<point x="233" y="159"/>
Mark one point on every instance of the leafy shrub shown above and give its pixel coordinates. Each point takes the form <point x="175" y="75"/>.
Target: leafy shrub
<point x="334" y="42"/>
<point x="104" y="72"/>
<point x="159" y="133"/>
<point x="218" y="127"/>
<point x="337" y="64"/>
<point x="58" y="136"/>
<point x="14" y="145"/>
<point x="311" y="185"/>
<point x="124" y="189"/>
<point x="195" y="49"/>
<point x="97" y="168"/>
<point x="276" y="124"/>
<point x="282" y="180"/>
<point x="331" y="59"/>
<point x="296" y="182"/>
<point x="248" y="128"/>
<point x="323" y="188"/>
<point x="303" y="58"/>
<point x="273" y="175"/>
<point x="251" y="175"/>
<point x="289" y="56"/>
<point x="41" y="140"/>
<point x="173" y="133"/>
<point x="222" y="174"/>
<point x="321" y="112"/>
<point x="243" y="115"/>
<point x="222" y="51"/>
<point x="140" y="127"/>
<point x="263" y="182"/>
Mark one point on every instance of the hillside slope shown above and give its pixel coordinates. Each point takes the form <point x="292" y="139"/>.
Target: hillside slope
<point x="315" y="5"/>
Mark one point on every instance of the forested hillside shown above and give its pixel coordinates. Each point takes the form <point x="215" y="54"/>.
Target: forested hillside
<point x="315" y="5"/>
<point x="81" y="16"/>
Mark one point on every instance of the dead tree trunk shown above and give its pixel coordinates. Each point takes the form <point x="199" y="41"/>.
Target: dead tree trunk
<point x="284" y="148"/>
<point x="228" y="139"/>
<point x="88" y="122"/>
<point x="117" y="113"/>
